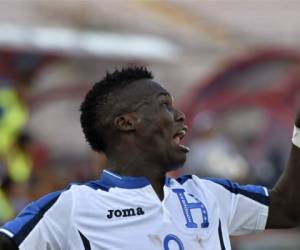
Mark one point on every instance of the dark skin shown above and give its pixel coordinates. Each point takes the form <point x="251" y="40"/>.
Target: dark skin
<point x="284" y="210"/>
<point x="6" y="243"/>
<point x="142" y="144"/>
<point x="147" y="133"/>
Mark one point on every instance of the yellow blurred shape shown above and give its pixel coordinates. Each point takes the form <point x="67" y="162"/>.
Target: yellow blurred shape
<point x="6" y="209"/>
<point x="19" y="165"/>
<point x="13" y="119"/>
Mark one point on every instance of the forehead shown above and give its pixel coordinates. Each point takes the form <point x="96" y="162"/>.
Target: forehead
<point x="147" y="88"/>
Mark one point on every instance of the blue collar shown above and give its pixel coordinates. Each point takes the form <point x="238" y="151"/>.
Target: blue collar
<point x="109" y="180"/>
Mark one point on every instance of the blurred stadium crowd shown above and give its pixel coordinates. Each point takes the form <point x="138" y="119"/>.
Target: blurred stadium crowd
<point x="240" y="115"/>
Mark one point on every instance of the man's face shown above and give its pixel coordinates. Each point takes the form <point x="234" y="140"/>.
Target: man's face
<point x="160" y="127"/>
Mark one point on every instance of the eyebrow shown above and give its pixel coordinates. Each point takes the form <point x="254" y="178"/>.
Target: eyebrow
<point x="145" y="102"/>
<point x="164" y="94"/>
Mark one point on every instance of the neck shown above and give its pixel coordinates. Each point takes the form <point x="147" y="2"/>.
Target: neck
<point x="135" y="166"/>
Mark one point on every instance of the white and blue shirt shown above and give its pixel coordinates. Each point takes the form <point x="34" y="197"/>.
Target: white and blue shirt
<point x="124" y="213"/>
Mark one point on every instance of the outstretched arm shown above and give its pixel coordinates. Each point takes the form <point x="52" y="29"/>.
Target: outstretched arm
<point x="7" y="243"/>
<point x="284" y="211"/>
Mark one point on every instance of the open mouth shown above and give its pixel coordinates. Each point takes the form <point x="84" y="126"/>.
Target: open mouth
<point x="177" y="138"/>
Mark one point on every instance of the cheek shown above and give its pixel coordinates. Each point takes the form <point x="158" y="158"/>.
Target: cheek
<point x="157" y="132"/>
<point x="166" y="123"/>
<point x="156" y="125"/>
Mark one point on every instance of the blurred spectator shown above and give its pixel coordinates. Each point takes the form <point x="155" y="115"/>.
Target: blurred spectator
<point x="6" y="209"/>
<point x="13" y="113"/>
<point x="18" y="159"/>
<point x="15" y="156"/>
<point x="212" y="153"/>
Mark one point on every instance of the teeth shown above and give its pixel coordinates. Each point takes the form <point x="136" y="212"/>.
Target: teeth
<point x="179" y="136"/>
<point x="181" y="133"/>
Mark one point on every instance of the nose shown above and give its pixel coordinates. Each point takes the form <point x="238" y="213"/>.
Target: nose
<point x="179" y="116"/>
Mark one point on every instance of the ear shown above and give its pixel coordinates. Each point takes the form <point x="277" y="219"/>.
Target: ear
<point x="126" y="122"/>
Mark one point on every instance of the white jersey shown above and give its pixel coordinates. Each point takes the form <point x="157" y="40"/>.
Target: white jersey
<point x="124" y="213"/>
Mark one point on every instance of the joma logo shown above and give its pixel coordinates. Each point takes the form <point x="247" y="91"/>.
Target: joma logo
<point x="124" y="212"/>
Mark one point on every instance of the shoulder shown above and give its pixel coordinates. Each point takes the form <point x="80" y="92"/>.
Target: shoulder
<point x="220" y="186"/>
<point x="48" y="210"/>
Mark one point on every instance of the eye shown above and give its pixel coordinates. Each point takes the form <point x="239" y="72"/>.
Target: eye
<point x="166" y="104"/>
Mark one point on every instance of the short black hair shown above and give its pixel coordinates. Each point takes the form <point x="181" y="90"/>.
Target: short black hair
<point x="96" y="104"/>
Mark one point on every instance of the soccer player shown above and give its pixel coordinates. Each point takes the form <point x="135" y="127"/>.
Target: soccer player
<point x="133" y="205"/>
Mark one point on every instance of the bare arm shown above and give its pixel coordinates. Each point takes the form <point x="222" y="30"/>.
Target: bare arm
<point x="284" y="211"/>
<point x="6" y="243"/>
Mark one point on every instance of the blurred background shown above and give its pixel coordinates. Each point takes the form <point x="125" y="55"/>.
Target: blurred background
<point x="232" y="66"/>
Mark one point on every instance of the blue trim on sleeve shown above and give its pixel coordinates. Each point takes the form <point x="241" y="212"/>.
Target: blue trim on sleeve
<point x="24" y="223"/>
<point x="253" y="192"/>
<point x="221" y="236"/>
<point x="85" y="241"/>
<point x="29" y="217"/>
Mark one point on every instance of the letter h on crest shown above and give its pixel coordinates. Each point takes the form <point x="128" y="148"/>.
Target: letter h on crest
<point x="187" y="207"/>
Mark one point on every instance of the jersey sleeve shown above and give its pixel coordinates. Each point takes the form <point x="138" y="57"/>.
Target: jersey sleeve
<point x="43" y="224"/>
<point x="244" y="208"/>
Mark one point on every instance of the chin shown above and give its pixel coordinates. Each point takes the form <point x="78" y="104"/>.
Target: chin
<point x="178" y="163"/>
